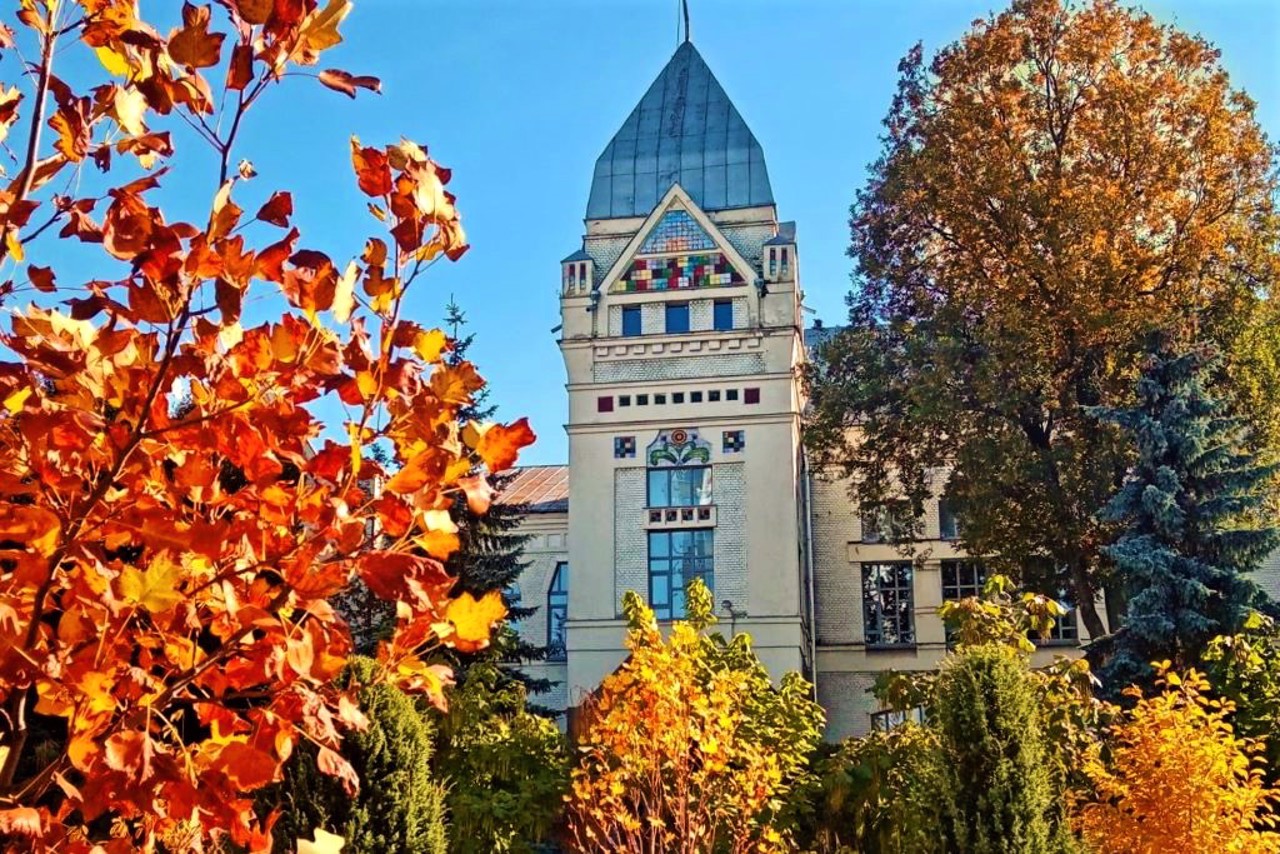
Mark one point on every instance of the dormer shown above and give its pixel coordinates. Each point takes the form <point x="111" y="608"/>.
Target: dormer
<point x="778" y="256"/>
<point x="577" y="274"/>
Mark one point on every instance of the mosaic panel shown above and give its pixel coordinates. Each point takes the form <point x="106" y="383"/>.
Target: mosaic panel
<point x="734" y="441"/>
<point x="624" y="447"/>
<point x="677" y="231"/>
<point x="680" y="273"/>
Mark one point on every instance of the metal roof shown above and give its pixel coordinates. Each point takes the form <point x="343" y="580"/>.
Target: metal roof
<point x="542" y="489"/>
<point x="684" y="130"/>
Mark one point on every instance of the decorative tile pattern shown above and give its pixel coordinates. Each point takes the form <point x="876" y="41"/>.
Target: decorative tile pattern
<point x="678" y="447"/>
<point x="624" y="447"/>
<point x="711" y="270"/>
<point x="734" y="441"/>
<point x="677" y="231"/>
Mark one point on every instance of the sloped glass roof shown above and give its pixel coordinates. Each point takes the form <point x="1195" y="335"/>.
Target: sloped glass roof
<point x="684" y="130"/>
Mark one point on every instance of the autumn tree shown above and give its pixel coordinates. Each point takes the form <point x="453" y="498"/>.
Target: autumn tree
<point x="1176" y="777"/>
<point x="688" y="747"/>
<point x="166" y="624"/>
<point x="1192" y="511"/>
<point x="1060" y="179"/>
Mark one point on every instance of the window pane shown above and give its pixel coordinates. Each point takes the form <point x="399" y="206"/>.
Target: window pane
<point x="723" y="314"/>
<point x="887" y="603"/>
<point x="678" y="317"/>
<point x="631" y="320"/>
<point x="659" y="488"/>
<point x="659" y="544"/>
<point x="702" y="543"/>
<point x="947" y="527"/>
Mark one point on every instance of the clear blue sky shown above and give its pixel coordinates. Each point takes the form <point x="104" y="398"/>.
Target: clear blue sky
<point x="519" y="98"/>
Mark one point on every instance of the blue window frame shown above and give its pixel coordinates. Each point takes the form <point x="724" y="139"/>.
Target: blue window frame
<point x="557" y="612"/>
<point x="631" y="320"/>
<point x="677" y="317"/>
<point x="675" y="559"/>
<point x="722" y="314"/>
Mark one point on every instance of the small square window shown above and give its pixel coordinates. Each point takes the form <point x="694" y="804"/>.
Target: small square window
<point x="631" y="320"/>
<point x="624" y="400"/>
<point x="659" y="399"/>
<point x="677" y="397"/>
<point x="731" y="394"/>
<point x="642" y="400"/>
<point x="604" y="404"/>
<point x="695" y="397"/>
<point x="722" y="314"/>
<point x="713" y="396"/>
<point x="751" y="395"/>
<point x="677" y="317"/>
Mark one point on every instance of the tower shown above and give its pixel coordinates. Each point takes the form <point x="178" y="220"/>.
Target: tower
<point x="681" y="336"/>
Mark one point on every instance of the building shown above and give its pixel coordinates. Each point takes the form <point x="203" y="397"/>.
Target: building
<point x="683" y="336"/>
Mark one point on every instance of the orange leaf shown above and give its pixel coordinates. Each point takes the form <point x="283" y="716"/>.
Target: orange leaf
<point x="500" y="444"/>
<point x="246" y="767"/>
<point x="42" y="278"/>
<point x="372" y="172"/>
<point x="277" y="209"/>
<point x="193" y="45"/>
<point x="21" y="821"/>
<point x="240" y="72"/>
<point x="329" y="762"/>
<point x="479" y="492"/>
<point x="347" y="83"/>
<point x="473" y="620"/>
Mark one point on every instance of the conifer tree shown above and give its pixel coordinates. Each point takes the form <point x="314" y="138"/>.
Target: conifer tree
<point x="491" y="555"/>
<point x="1191" y="514"/>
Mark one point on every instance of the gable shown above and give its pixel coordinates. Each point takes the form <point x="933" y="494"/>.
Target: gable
<point x="677" y="249"/>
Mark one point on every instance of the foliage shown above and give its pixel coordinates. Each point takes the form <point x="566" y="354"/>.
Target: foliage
<point x="165" y="611"/>
<point x="688" y="747"/>
<point x="1192" y="514"/>
<point x="997" y="793"/>
<point x="1178" y="778"/>
<point x="506" y="769"/>
<point x="877" y="795"/>
<point x="1244" y="668"/>
<point x="1053" y="184"/>
<point x="400" y="808"/>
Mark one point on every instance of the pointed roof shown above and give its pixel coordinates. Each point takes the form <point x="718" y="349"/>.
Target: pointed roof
<point x="685" y="130"/>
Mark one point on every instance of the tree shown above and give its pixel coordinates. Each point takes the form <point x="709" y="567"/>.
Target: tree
<point x="688" y="747"/>
<point x="1178" y="778"/>
<point x="166" y="624"/>
<point x="1191" y="511"/>
<point x="400" y="808"/>
<point x="1053" y="184"/>
<point x="1244" y="668"/>
<point x="506" y="769"/>
<point x="490" y="556"/>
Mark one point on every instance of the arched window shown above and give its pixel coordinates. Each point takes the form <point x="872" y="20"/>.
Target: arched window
<point x="557" y="612"/>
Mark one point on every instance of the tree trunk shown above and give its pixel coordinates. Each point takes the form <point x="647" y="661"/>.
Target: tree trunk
<point x="1084" y="596"/>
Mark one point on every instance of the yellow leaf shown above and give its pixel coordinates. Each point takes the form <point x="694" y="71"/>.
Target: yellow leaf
<point x="116" y="64"/>
<point x="344" y="298"/>
<point x="325" y="843"/>
<point x="473" y="620"/>
<point x="353" y="431"/>
<point x="429" y="344"/>
<point x="320" y="29"/>
<point x="15" y="401"/>
<point x="155" y="588"/>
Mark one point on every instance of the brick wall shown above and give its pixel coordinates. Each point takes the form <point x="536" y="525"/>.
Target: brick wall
<point x="630" y="543"/>
<point x="653" y="318"/>
<point x="678" y="368"/>
<point x="845" y="698"/>
<point x="837" y="591"/>
<point x="543" y="551"/>
<point x="730" y="496"/>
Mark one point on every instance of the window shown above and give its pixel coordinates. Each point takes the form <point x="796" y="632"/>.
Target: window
<point x="713" y="396"/>
<point x="889" y="523"/>
<point x="677" y="397"/>
<point x="675" y="559"/>
<point x="695" y="397"/>
<point x="962" y="579"/>
<point x="888" y="719"/>
<point x="1066" y="629"/>
<point x="722" y="314"/>
<point x="631" y="320"/>
<point x="659" y="399"/>
<point x="624" y="400"/>
<point x="687" y="486"/>
<point x="751" y="395"/>
<point x="948" y="527"/>
<point x="731" y="394"/>
<point x="887" y="604"/>
<point x="642" y="400"/>
<point x="557" y="612"/>
<point x="604" y="404"/>
<point x="677" y="317"/>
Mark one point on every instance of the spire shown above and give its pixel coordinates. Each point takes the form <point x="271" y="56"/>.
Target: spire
<point x="684" y="7"/>
<point x="684" y="130"/>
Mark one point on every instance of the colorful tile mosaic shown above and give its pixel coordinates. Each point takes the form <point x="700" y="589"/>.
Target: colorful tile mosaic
<point x="734" y="441"/>
<point x="679" y="273"/>
<point x="677" y="231"/>
<point x="624" y="447"/>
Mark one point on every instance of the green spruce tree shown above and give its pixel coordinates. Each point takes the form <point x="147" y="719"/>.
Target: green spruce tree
<point x="491" y="556"/>
<point x="1192" y="515"/>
